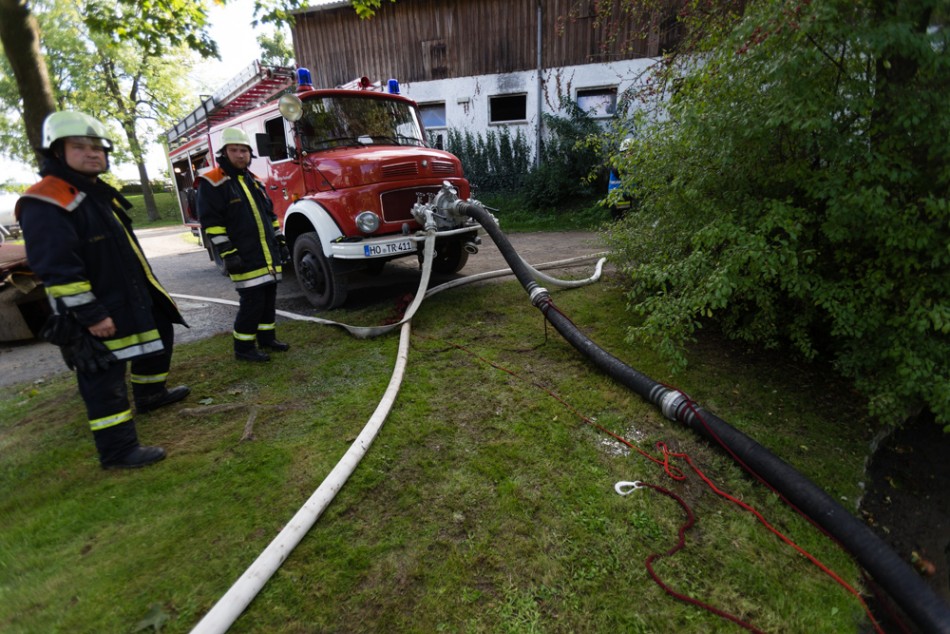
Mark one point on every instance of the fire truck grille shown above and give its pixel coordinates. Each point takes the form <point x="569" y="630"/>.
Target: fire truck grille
<point x="443" y="168"/>
<point x="397" y="204"/>
<point x="400" y="169"/>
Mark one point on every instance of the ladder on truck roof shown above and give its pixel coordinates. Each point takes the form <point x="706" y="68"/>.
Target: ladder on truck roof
<point x="253" y="86"/>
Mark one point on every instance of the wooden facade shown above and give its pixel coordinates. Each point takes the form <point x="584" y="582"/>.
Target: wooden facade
<point x="425" y="40"/>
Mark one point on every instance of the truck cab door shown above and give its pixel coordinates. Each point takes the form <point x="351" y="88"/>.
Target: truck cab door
<point x="283" y="179"/>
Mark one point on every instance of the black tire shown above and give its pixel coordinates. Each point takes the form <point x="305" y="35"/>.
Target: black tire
<point x="450" y="257"/>
<point x="321" y="285"/>
<point x="218" y="262"/>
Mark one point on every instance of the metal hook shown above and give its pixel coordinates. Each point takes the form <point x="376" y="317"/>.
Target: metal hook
<point x="626" y="488"/>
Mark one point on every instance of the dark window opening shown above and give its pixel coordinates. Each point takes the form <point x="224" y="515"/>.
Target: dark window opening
<point x="507" y="108"/>
<point x="277" y="140"/>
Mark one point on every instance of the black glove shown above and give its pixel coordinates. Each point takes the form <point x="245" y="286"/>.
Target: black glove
<point x="80" y="349"/>
<point x="87" y="354"/>
<point x="232" y="263"/>
<point x="60" y="330"/>
<point x="284" y="251"/>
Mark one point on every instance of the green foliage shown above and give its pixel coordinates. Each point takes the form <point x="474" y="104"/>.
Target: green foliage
<point x="795" y="193"/>
<point x="567" y="161"/>
<point x="275" y="49"/>
<point x="367" y="8"/>
<point x="156" y="27"/>
<point x="500" y="163"/>
<point x="493" y="163"/>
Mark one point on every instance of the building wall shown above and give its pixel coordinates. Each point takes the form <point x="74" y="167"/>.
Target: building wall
<point x="421" y="40"/>
<point x="468" y="53"/>
<point x="467" y="99"/>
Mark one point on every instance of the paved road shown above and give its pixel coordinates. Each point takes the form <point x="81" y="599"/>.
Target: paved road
<point x="184" y="268"/>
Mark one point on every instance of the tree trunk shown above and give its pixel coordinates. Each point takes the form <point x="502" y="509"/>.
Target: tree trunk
<point x="20" y="36"/>
<point x="147" y="194"/>
<point x="151" y="209"/>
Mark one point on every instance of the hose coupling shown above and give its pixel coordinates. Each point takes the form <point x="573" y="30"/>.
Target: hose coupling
<point x="671" y="402"/>
<point x="539" y="295"/>
<point x="471" y="246"/>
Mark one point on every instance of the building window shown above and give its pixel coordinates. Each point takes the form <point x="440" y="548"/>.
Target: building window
<point x="505" y="108"/>
<point x="598" y="102"/>
<point x="433" y="114"/>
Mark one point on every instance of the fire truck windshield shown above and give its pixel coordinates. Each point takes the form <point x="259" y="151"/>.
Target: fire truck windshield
<point x="341" y="121"/>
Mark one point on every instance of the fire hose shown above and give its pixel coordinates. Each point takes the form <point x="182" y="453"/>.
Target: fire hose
<point x="890" y="571"/>
<point x="895" y="576"/>
<point x="230" y="606"/>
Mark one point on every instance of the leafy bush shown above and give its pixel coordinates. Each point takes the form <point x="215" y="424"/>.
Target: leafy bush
<point x="567" y="161"/>
<point x="500" y="163"/>
<point x="495" y="163"/>
<point x="795" y="192"/>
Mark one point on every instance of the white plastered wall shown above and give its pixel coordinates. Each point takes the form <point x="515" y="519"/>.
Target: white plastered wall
<point x="467" y="98"/>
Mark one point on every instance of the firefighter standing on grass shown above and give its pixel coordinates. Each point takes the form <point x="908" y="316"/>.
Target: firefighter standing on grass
<point x="108" y="308"/>
<point x="238" y="218"/>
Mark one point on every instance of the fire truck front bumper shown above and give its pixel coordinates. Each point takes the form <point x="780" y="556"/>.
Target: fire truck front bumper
<point x="395" y="246"/>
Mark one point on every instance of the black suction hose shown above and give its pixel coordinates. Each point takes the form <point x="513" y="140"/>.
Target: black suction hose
<point x="916" y="598"/>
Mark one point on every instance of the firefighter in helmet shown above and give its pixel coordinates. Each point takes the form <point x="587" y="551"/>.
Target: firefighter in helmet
<point x="238" y="218"/>
<point x="107" y="306"/>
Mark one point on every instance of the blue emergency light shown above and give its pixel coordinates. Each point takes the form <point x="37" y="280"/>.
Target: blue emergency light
<point x="303" y="80"/>
<point x="392" y="87"/>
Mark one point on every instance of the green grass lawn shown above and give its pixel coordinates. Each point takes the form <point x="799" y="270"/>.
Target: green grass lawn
<point x="168" y="210"/>
<point x="486" y="504"/>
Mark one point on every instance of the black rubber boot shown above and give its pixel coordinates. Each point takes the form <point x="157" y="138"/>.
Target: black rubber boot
<point x="273" y="344"/>
<point x="119" y="448"/>
<point x="163" y="398"/>
<point x="247" y="351"/>
<point x="138" y="457"/>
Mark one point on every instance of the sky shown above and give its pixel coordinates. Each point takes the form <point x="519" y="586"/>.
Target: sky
<point x="237" y="45"/>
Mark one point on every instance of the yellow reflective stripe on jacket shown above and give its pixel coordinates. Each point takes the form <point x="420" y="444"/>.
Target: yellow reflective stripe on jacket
<point x="149" y="378"/>
<point x="260" y="223"/>
<point x="256" y="278"/>
<point x="65" y="290"/>
<point x="110" y="421"/>
<point x="145" y="265"/>
<point x="261" y="272"/>
<point x="217" y="235"/>
<point x="135" y="345"/>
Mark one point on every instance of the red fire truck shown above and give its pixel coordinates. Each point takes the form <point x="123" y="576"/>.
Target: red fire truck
<point x="344" y="167"/>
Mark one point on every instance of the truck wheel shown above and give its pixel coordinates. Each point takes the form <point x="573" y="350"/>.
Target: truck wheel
<point x="322" y="287"/>
<point x="218" y="262"/>
<point x="450" y="257"/>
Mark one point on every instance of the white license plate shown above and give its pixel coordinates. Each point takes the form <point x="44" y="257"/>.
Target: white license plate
<point x="391" y="248"/>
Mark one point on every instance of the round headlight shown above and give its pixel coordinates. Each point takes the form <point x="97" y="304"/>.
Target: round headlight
<point x="367" y="222"/>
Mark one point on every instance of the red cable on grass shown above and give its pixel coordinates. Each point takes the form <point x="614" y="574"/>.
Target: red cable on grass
<point x="678" y="475"/>
<point x="680" y="544"/>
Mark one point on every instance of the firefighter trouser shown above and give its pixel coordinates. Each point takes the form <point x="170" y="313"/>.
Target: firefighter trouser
<point x="107" y="399"/>
<point x="256" y="316"/>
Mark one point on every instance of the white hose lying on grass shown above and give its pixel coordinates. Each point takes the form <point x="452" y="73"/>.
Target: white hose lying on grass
<point x="230" y="606"/>
<point x="240" y="595"/>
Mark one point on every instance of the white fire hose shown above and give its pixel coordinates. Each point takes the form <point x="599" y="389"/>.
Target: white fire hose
<point x="230" y="606"/>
